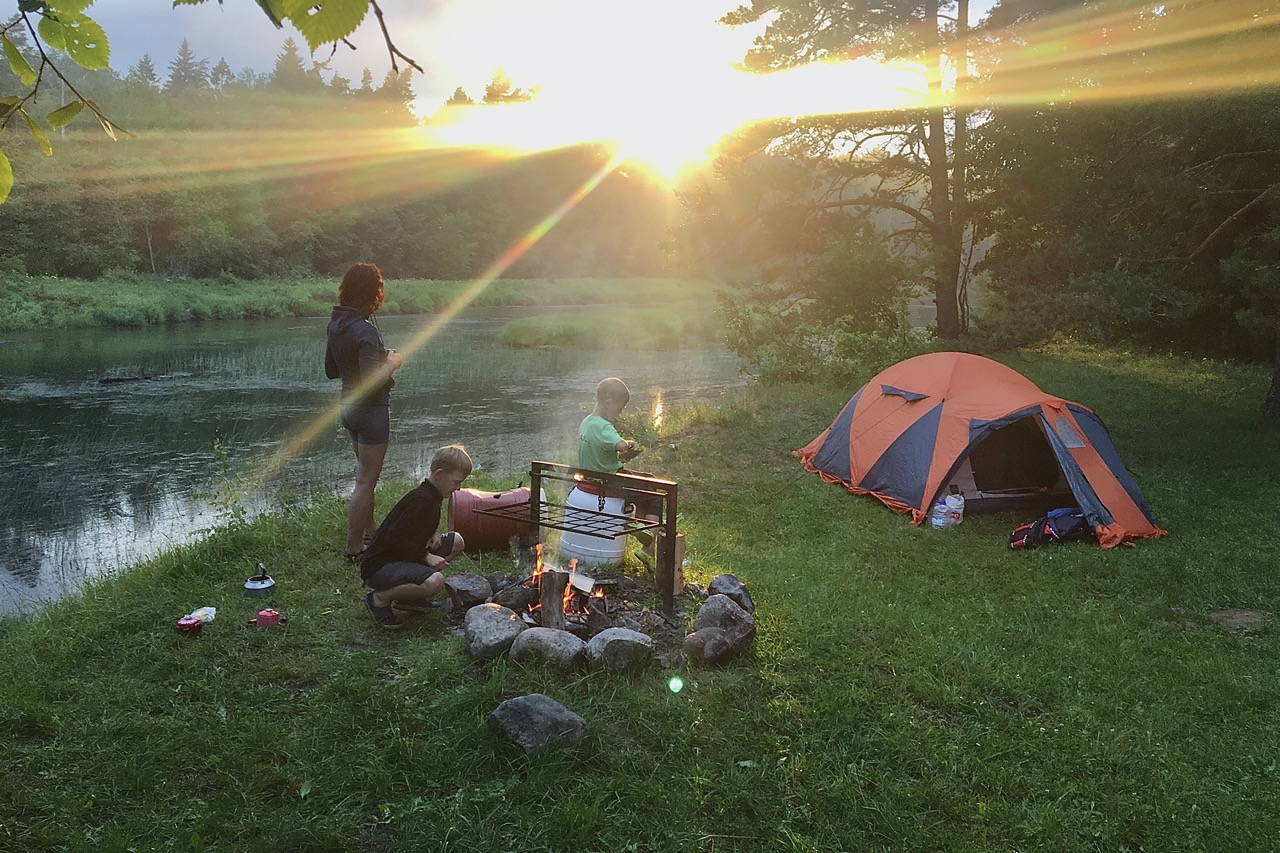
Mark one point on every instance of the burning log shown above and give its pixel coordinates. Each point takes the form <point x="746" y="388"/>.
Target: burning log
<point x="553" y="583"/>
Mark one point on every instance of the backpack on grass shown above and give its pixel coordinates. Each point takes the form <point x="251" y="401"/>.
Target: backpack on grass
<point x="1066" y="524"/>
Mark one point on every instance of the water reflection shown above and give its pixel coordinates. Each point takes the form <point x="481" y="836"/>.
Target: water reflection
<point x="115" y="442"/>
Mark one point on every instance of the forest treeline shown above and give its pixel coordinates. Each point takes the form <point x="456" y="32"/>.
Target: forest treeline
<point x="300" y="171"/>
<point x="1125" y="193"/>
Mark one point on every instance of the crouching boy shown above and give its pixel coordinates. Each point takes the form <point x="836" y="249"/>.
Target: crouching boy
<point x="402" y="564"/>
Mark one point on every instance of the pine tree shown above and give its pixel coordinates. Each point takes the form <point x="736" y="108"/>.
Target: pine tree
<point x="221" y="75"/>
<point x="143" y="74"/>
<point x="459" y="98"/>
<point x="289" y="73"/>
<point x="186" y="73"/>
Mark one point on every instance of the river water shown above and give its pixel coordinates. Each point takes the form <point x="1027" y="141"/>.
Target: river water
<point x="118" y="444"/>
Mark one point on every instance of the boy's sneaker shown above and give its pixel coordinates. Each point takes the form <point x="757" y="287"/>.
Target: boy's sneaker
<point x="383" y="616"/>
<point x="418" y="606"/>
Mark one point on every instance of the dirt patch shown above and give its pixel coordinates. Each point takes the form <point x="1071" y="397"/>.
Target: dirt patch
<point x="1238" y="619"/>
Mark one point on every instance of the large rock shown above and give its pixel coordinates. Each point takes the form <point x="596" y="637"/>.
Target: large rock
<point x="468" y="590"/>
<point x="516" y="596"/>
<point x="558" y="649"/>
<point x="722" y="630"/>
<point x="721" y="611"/>
<point x="714" y="646"/>
<point x="729" y="585"/>
<point x="536" y="721"/>
<point x="620" y="649"/>
<point x="490" y="630"/>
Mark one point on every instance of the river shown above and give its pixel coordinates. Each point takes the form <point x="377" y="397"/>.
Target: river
<point x="120" y="443"/>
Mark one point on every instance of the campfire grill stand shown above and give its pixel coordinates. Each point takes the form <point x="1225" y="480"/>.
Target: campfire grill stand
<point x="538" y="513"/>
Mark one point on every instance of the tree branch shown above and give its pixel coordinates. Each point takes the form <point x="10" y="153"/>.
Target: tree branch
<point x="392" y="50"/>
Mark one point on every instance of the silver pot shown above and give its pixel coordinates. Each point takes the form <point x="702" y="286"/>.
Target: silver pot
<point x="259" y="586"/>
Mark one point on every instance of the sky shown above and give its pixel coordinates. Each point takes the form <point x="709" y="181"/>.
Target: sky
<point x="578" y="44"/>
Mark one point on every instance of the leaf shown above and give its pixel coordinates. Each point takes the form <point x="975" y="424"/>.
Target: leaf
<point x="274" y="9"/>
<point x="304" y="790"/>
<point x="80" y="36"/>
<point x="107" y="127"/>
<point x="21" y="68"/>
<point x="37" y="133"/>
<point x="52" y="33"/>
<point x="7" y="106"/>
<point x="326" y="21"/>
<point x="71" y="6"/>
<point x="6" y="177"/>
<point x="63" y="116"/>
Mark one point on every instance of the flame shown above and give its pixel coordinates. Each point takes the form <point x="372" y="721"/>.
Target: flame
<point x="657" y="412"/>
<point x="568" y="587"/>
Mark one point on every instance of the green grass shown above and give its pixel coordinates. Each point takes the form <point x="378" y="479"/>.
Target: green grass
<point x="139" y="300"/>
<point x="618" y="327"/>
<point x="909" y="689"/>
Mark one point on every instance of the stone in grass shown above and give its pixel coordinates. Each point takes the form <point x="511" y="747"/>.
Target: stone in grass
<point x="620" y="649"/>
<point x="721" y="611"/>
<point x="490" y="630"/>
<point x="557" y="649"/>
<point x="537" y="721"/>
<point x="468" y="590"/>
<point x="722" y="631"/>
<point x="729" y="585"/>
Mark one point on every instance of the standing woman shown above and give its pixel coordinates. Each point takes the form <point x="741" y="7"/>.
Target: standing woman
<point x="356" y="355"/>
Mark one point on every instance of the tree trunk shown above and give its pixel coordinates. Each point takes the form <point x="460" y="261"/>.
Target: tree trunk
<point x="1272" y="405"/>
<point x="946" y="242"/>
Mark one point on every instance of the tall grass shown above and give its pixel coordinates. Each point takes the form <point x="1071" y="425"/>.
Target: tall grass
<point x="137" y="300"/>
<point x="909" y="689"/>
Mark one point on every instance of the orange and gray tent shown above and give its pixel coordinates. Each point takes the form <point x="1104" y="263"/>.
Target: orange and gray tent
<point x="955" y="423"/>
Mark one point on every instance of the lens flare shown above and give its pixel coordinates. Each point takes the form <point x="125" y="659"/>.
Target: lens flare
<point x="676" y="684"/>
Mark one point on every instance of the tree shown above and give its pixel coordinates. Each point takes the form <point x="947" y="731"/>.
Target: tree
<point x="142" y="74"/>
<point x="289" y="74"/>
<point x="221" y="75"/>
<point x="500" y="90"/>
<point x="912" y="161"/>
<point x="186" y="72"/>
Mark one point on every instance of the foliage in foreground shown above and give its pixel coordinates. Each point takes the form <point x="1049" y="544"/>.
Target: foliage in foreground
<point x="128" y="299"/>
<point x="908" y="689"/>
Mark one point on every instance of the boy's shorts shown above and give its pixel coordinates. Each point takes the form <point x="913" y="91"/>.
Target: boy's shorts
<point x="399" y="573"/>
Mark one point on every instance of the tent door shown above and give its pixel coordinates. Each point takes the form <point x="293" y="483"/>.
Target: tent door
<point x="1012" y="468"/>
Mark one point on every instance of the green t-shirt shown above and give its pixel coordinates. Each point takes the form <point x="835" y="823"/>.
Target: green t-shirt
<point x="598" y="445"/>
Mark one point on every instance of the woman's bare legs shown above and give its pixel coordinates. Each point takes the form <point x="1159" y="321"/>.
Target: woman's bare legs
<point x="369" y="458"/>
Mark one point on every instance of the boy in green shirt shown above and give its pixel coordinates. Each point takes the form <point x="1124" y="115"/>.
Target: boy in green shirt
<point x="601" y="448"/>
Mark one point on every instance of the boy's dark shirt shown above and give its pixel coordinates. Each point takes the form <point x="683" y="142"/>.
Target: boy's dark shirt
<point x="405" y="532"/>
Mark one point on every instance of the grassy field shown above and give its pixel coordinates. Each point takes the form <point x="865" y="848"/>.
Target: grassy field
<point x="137" y="300"/>
<point x="909" y="689"/>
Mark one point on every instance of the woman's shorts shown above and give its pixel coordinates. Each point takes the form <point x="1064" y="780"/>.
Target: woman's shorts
<point x="367" y="424"/>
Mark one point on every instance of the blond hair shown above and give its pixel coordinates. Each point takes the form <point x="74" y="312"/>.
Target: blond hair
<point x="613" y="389"/>
<point x="451" y="457"/>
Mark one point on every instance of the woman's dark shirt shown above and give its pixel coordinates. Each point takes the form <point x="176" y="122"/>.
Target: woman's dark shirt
<point x="354" y="352"/>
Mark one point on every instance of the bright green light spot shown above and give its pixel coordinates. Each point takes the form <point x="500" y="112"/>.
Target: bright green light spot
<point x="676" y="684"/>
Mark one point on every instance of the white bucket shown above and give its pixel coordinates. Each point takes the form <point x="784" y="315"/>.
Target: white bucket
<point x="592" y="550"/>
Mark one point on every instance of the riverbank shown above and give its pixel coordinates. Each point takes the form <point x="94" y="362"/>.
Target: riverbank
<point x="138" y="300"/>
<point x="908" y="689"/>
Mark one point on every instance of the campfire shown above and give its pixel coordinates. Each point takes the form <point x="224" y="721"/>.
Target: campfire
<point x="566" y="599"/>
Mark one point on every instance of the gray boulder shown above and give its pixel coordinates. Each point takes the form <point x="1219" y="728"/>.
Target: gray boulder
<point x="558" y="649"/>
<point x="516" y="596"/>
<point x="537" y="721"/>
<point x="620" y="649"/>
<point x="468" y="590"/>
<point x="729" y="585"/>
<point x="490" y="630"/>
